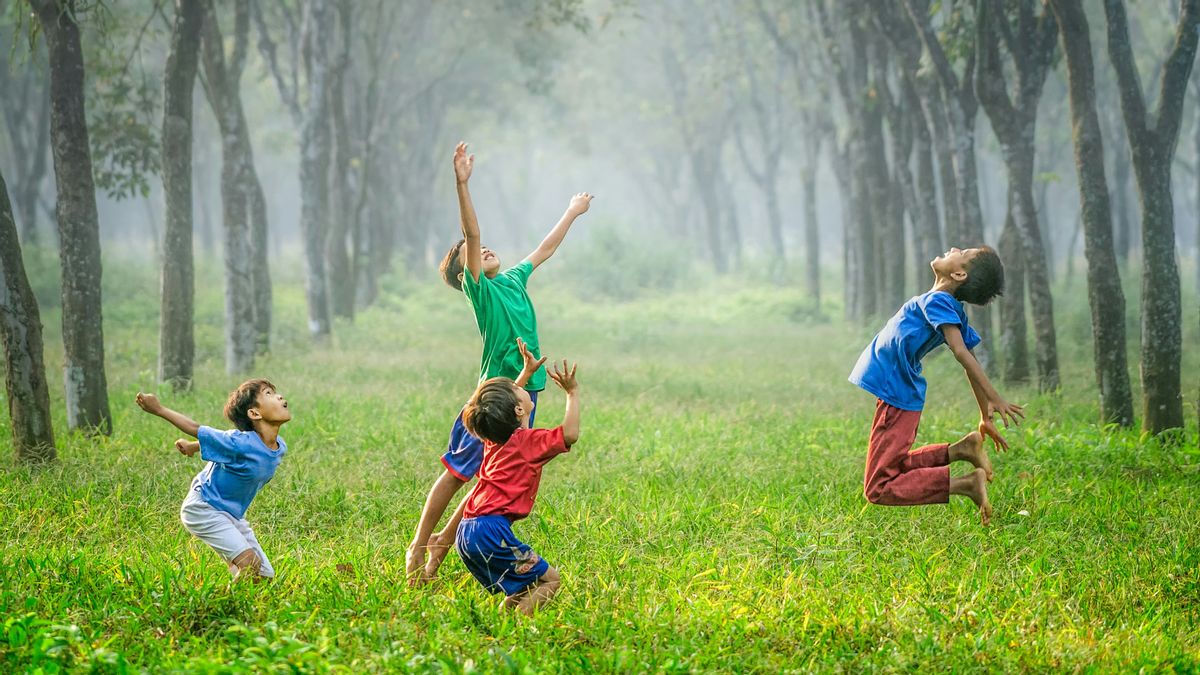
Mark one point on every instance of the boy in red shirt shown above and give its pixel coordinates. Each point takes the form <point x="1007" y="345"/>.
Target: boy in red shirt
<point x="513" y="457"/>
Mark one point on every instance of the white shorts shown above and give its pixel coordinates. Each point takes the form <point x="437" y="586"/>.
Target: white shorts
<point x="228" y="536"/>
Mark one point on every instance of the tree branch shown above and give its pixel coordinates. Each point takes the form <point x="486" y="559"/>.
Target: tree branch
<point x="1176" y="72"/>
<point x="1133" y="107"/>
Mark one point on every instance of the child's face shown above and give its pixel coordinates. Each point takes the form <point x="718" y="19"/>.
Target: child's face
<point x="271" y="407"/>
<point x="524" y="405"/>
<point x="491" y="261"/>
<point x="953" y="263"/>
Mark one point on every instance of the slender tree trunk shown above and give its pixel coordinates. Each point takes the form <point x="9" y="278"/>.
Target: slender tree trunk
<point x="1105" y="296"/>
<point x="240" y="191"/>
<point x="78" y="223"/>
<point x="1019" y="161"/>
<point x="1196" y="214"/>
<point x="1122" y="179"/>
<point x="21" y="329"/>
<point x="261" y="271"/>
<point x="176" y="343"/>
<point x="1013" y="329"/>
<point x="951" y="218"/>
<point x="925" y="218"/>
<point x="812" y="231"/>
<point x="314" y="173"/>
<point x="1153" y="137"/>
<point x="30" y="192"/>
<point x="341" y="279"/>
<point x="704" y="167"/>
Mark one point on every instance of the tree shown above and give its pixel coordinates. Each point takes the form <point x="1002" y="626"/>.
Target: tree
<point x="176" y="341"/>
<point x="1030" y="44"/>
<point x="247" y="263"/>
<point x="310" y="50"/>
<point x="1153" y="137"/>
<point x="29" y="135"/>
<point x="78" y="222"/>
<point x="1105" y="296"/>
<point x="21" y="329"/>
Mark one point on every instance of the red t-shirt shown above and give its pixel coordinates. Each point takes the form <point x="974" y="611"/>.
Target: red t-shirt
<point x="509" y="477"/>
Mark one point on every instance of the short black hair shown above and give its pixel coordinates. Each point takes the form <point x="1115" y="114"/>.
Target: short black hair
<point x="491" y="414"/>
<point x="452" y="266"/>
<point x="985" y="278"/>
<point x="243" y="399"/>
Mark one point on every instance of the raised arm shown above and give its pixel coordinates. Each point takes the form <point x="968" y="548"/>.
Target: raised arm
<point x="463" y="164"/>
<point x="989" y="400"/>
<point x="578" y="206"/>
<point x="564" y="377"/>
<point x="151" y="404"/>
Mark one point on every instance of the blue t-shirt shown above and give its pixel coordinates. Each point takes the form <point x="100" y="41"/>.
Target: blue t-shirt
<point x="239" y="463"/>
<point x="890" y="367"/>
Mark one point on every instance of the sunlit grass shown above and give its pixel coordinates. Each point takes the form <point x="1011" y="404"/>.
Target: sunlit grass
<point x="710" y="519"/>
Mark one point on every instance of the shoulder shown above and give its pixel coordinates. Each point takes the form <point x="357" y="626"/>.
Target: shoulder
<point x="940" y="300"/>
<point x="519" y="272"/>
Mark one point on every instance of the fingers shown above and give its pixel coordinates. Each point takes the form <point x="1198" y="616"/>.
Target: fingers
<point x="540" y="362"/>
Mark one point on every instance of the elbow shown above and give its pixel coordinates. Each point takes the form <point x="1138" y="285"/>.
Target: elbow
<point x="570" y="438"/>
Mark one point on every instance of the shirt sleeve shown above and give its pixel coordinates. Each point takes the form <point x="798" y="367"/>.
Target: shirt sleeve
<point x="970" y="338"/>
<point x="941" y="309"/>
<point x="546" y="444"/>
<point x="520" y="272"/>
<point x="217" y="446"/>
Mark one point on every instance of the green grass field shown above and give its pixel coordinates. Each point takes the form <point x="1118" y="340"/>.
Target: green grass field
<point x="710" y="519"/>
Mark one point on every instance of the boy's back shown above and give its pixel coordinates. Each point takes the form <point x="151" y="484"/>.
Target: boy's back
<point x="503" y="313"/>
<point x="890" y="367"/>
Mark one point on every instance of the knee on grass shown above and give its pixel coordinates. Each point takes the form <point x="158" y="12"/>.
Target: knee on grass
<point x="248" y="564"/>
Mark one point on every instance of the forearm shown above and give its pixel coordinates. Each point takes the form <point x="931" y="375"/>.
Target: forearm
<point x="552" y="241"/>
<point x="524" y="377"/>
<point x="570" y="423"/>
<point x="182" y="422"/>
<point x="980" y="385"/>
<point x="466" y="212"/>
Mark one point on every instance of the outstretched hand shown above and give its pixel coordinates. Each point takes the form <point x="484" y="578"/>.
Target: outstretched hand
<point x="580" y="203"/>
<point x="1010" y="413"/>
<point x="564" y="376"/>
<point x="987" y="427"/>
<point x="463" y="163"/>
<point x="531" y="364"/>
<point x="149" y="403"/>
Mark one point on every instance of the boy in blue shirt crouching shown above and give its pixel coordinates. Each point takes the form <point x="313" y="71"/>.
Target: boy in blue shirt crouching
<point x="239" y="463"/>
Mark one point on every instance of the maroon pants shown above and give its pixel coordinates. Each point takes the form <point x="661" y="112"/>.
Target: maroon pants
<point x="896" y="474"/>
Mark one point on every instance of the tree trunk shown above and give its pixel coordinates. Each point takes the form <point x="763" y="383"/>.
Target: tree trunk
<point x="176" y="343"/>
<point x="1105" y="296"/>
<point x="240" y="197"/>
<point x="925" y="218"/>
<point x="704" y="168"/>
<point x="261" y="272"/>
<point x="314" y="173"/>
<point x="1152" y="140"/>
<point x="30" y="192"/>
<point x="951" y="218"/>
<point x="1019" y="161"/>
<point x="1122" y="177"/>
<point x="812" y="231"/>
<point x="341" y="277"/>
<point x="78" y="223"/>
<point x="1013" y="330"/>
<point x="21" y="328"/>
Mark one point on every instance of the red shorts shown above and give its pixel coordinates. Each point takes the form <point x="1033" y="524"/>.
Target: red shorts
<point x="896" y="474"/>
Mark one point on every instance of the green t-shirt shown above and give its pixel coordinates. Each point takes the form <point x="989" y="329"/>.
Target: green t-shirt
<point x="503" y="313"/>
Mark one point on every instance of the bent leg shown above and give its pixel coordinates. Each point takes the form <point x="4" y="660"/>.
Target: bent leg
<point x="896" y="476"/>
<point x="443" y="490"/>
<point x="536" y="594"/>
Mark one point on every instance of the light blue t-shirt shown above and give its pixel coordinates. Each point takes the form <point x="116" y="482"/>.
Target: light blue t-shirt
<point x="890" y="367"/>
<point x="239" y="463"/>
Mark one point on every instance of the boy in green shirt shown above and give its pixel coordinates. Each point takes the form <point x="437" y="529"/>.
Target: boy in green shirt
<point x="503" y="314"/>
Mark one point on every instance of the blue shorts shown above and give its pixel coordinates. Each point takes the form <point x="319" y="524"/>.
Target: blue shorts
<point x="496" y="558"/>
<point x="464" y="454"/>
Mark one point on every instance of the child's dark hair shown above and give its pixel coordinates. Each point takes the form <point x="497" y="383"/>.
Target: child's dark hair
<point x="452" y="267"/>
<point x="985" y="278"/>
<point x="243" y="399"/>
<point x="491" y="413"/>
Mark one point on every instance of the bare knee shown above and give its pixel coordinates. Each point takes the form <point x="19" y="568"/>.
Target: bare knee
<point x="550" y="580"/>
<point x="247" y="563"/>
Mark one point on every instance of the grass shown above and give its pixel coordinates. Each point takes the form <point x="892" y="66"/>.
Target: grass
<point x="710" y="519"/>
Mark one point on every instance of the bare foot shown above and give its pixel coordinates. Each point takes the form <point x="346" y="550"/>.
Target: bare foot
<point x="970" y="448"/>
<point x="974" y="485"/>
<point x="438" y="548"/>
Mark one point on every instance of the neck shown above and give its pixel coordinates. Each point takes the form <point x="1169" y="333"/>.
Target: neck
<point x="946" y="284"/>
<point x="269" y="433"/>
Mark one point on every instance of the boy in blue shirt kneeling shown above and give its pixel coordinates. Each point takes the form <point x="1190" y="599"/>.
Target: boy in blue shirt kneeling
<point x="239" y="463"/>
